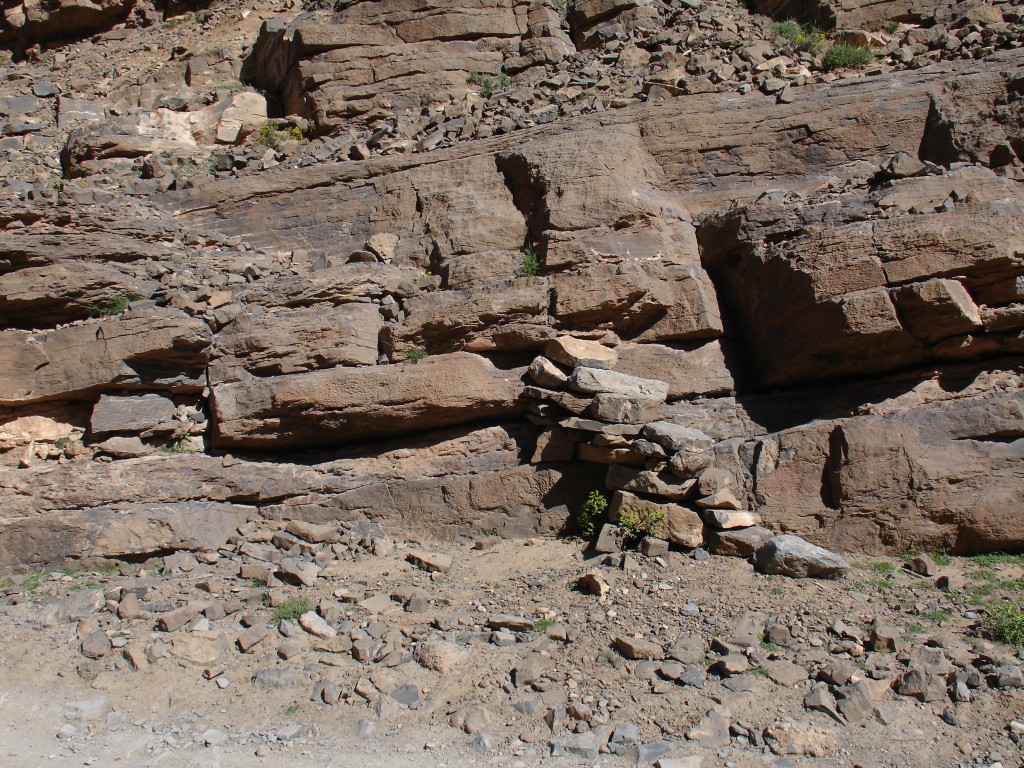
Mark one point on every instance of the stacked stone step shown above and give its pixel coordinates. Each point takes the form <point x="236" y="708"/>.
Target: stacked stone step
<point x="590" y="412"/>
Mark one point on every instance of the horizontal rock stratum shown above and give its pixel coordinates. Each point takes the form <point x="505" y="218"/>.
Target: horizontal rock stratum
<point x="344" y="405"/>
<point x="454" y="268"/>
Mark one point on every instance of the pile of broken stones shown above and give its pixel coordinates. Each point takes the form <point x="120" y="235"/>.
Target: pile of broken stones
<point x="658" y="470"/>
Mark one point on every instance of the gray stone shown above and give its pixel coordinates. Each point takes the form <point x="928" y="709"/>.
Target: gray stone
<point x="430" y="561"/>
<point x="298" y="571"/>
<point x="712" y="732"/>
<point x="546" y="374"/>
<point x="124" y="447"/>
<point x="131" y="413"/>
<point x="595" y="380"/>
<point x="611" y="539"/>
<point x="637" y="648"/>
<point x="623" y="409"/>
<point x="902" y="166"/>
<point x="792" y="556"/>
<point x="653" y="483"/>
<point x="96" y="645"/>
<point x="587" y="745"/>
<point x="407" y="694"/>
<point x="675" y="437"/>
<point x="739" y="542"/>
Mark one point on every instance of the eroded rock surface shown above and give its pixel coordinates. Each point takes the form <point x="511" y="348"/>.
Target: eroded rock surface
<point x="520" y="223"/>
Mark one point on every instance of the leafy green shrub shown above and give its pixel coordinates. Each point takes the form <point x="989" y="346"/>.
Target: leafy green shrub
<point x="530" y="264"/>
<point x="891" y="26"/>
<point x="291" y="608"/>
<point x="646" y="522"/>
<point x="417" y="354"/>
<point x="114" y="304"/>
<point x="269" y="136"/>
<point x="489" y="84"/>
<point x="845" y="56"/>
<point x="801" y="37"/>
<point x="1005" y="622"/>
<point x="591" y="515"/>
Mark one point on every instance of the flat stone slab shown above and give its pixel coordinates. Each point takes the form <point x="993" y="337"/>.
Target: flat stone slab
<point x="595" y="380"/>
<point x="130" y="413"/>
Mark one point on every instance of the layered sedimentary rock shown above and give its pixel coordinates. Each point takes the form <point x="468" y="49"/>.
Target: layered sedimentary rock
<point x="345" y="405"/>
<point x="497" y="257"/>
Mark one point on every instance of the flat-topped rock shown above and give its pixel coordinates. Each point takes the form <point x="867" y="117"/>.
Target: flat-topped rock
<point x="573" y="352"/>
<point x="596" y="380"/>
<point x="130" y="413"/>
<point x="676" y="437"/>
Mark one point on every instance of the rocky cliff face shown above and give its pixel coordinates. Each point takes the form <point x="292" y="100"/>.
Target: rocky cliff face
<point x="450" y="267"/>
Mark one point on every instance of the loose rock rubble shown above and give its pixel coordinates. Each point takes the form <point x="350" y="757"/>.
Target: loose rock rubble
<point x="510" y="651"/>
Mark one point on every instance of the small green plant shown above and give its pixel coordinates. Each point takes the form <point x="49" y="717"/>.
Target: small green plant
<point x="530" y="264"/>
<point x="606" y="657"/>
<point x="1005" y="622"/>
<point x="845" y="56"/>
<point x="942" y="559"/>
<point x="646" y="522"/>
<point x="542" y="624"/>
<point x="5" y="584"/>
<point x="292" y="709"/>
<point x="176" y="20"/>
<point x="915" y="628"/>
<point x="997" y="558"/>
<point x="489" y="84"/>
<point x="417" y="354"/>
<point x="939" y="615"/>
<point x="177" y="444"/>
<point x="801" y="37"/>
<point x="258" y="583"/>
<point x="113" y="304"/>
<point x="291" y="608"/>
<point x="759" y="672"/>
<point x="591" y="515"/>
<point x="769" y="646"/>
<point x="891" y="26"/>
<point x="32" y="581"/>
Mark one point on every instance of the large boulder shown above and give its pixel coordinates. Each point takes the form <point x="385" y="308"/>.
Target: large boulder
<point x="792" y="556"/>
<point x="346" y="405"/>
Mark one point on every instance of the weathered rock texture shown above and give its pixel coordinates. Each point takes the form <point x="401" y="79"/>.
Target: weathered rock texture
<point x="497" y="256"/>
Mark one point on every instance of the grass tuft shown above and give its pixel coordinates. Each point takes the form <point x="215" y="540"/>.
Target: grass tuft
<point x="530" y="264"/>
<point x="291" y="608"/>
<point x="114" y="304"/>
<point x="846" y="56"/>
<point x="1005" y="622"/>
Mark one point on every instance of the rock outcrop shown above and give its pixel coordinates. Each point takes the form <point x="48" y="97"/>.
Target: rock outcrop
<point x="456" y="267"/>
